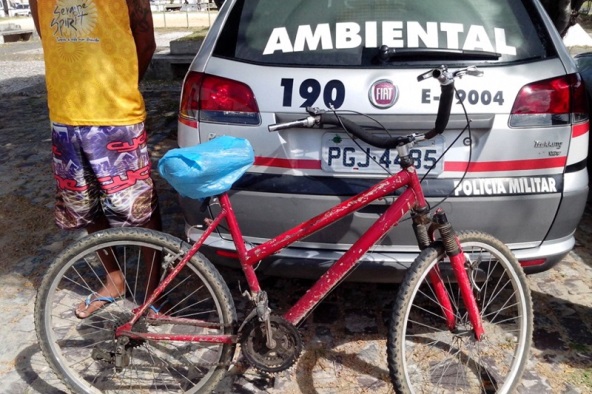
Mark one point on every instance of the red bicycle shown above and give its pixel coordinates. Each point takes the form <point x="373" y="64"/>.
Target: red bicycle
<point x="462" y="320"/>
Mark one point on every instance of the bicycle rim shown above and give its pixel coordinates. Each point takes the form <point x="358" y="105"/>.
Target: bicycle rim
<point x="82" y="351"/>
<point x="426" y="357"/>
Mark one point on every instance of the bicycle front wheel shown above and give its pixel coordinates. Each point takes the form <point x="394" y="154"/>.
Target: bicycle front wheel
<point x="85" y="353"/>
<point x="424" y="356"/>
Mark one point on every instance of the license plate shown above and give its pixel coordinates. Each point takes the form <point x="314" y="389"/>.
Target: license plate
<point x="342" y="155"/>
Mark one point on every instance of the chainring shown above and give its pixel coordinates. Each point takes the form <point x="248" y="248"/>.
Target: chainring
<point x="287" y="349"/>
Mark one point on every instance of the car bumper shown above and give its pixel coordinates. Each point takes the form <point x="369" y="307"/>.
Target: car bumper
<point x="382" y="265"/>
<point x="375" y="267"/>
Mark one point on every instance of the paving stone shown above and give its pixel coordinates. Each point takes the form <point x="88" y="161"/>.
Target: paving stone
<point x="569" y="389"/>
<point x="358" y="321"/>
<point x="531" y="384"/>
<point x="323" y="338"/>
<point x="545" y="340"/>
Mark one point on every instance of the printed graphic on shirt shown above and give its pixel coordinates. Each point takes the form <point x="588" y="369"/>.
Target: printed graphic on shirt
<point x="74" y="21"/>
<point x="91" y="62"/>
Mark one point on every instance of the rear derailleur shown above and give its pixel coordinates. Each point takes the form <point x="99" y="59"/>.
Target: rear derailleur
<point x="118" y="352"/>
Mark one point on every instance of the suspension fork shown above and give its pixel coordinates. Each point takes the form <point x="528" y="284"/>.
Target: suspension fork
<point x="458" y="261"/>
<point x="424" y="234"/>
<point x="421" y="223"/>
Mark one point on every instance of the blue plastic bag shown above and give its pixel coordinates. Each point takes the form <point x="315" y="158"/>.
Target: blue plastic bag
<point x="207" y="169"/>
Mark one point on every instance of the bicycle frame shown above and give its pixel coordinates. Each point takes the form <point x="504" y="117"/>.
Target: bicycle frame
<point x="412" y="198"/>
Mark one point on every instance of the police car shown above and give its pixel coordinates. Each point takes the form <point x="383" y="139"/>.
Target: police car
<point x="512" y="161"/>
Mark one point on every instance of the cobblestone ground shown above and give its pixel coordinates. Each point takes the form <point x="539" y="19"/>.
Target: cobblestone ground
<point x="344" y="339"/>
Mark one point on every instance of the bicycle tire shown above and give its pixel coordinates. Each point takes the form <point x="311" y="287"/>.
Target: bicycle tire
<point x="424" y="356"/>
<point x="79" y="350"/>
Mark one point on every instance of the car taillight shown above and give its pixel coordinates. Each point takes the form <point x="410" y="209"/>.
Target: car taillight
<point x="189" y="108"/>
<point x="208" y="98"/>
<point x="550" y="102"/>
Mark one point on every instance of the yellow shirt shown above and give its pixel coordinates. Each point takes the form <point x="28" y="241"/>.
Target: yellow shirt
<point x="91" y="66"/>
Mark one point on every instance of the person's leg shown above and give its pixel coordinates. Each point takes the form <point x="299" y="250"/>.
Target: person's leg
<point x="119" y="159"/>
<point x="78" y="206"/>
<point x="113" y="285"/>
<point x="114" y="282"/>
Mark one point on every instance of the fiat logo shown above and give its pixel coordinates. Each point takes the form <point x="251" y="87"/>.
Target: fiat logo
<point x="383" y="94"/>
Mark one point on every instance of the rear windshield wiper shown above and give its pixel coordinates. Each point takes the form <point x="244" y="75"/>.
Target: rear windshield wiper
<point x="386" y="54"/>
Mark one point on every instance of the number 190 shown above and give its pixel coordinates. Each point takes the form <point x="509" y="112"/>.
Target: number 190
<point x="311" y="89"/>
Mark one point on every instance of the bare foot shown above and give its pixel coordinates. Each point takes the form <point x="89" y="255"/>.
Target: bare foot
<point x="114" y="288"/>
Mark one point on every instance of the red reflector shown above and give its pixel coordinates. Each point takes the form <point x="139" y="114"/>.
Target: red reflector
<point x="532" y="263"/>
<point x="580" y="129"/>
<point x="188" y="122"/>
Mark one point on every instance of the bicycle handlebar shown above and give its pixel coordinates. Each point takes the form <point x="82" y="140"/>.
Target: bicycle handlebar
<point x="446" y="79"/>
<point x="320" y="117"/>
<point x="351" y="127"/>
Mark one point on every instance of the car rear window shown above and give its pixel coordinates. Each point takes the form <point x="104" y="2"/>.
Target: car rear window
<point x="350" y="32"/>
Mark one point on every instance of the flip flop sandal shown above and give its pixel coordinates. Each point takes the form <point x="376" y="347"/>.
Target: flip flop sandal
<point x="89" y="300"/>
<point x="157" y="311"/>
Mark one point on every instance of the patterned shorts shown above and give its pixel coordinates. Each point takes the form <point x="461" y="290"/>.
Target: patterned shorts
<point x="102" y="170"/>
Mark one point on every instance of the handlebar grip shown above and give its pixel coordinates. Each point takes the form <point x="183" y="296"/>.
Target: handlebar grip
<point x="444" y="108"/>
<point x="306" y="122"/>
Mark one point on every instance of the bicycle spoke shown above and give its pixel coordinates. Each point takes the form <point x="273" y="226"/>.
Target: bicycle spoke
<point x="85" y="350"/>
<point x="425" y="356"/>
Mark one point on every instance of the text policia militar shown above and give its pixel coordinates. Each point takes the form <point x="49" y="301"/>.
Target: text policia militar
<point x="509" y="186"/>
<point x="395" y="34"/>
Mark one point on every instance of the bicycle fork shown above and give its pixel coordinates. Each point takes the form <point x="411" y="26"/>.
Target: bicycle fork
<point x="457" y="261"/>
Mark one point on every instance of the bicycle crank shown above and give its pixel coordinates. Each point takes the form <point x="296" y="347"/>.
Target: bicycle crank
<point x="272" y="356"/>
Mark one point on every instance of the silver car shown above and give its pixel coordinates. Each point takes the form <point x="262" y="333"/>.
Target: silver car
<point x="512" y="161"/>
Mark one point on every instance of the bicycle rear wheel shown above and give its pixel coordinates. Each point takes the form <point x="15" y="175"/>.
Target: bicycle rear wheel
<point x="424" y="356"/>
<point x="83" y="351"/>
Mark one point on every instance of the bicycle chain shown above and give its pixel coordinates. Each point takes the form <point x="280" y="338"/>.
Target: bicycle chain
<point x="141" y="326"/>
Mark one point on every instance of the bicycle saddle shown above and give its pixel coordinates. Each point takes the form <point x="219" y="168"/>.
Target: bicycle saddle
<point x="207" y="169"/>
